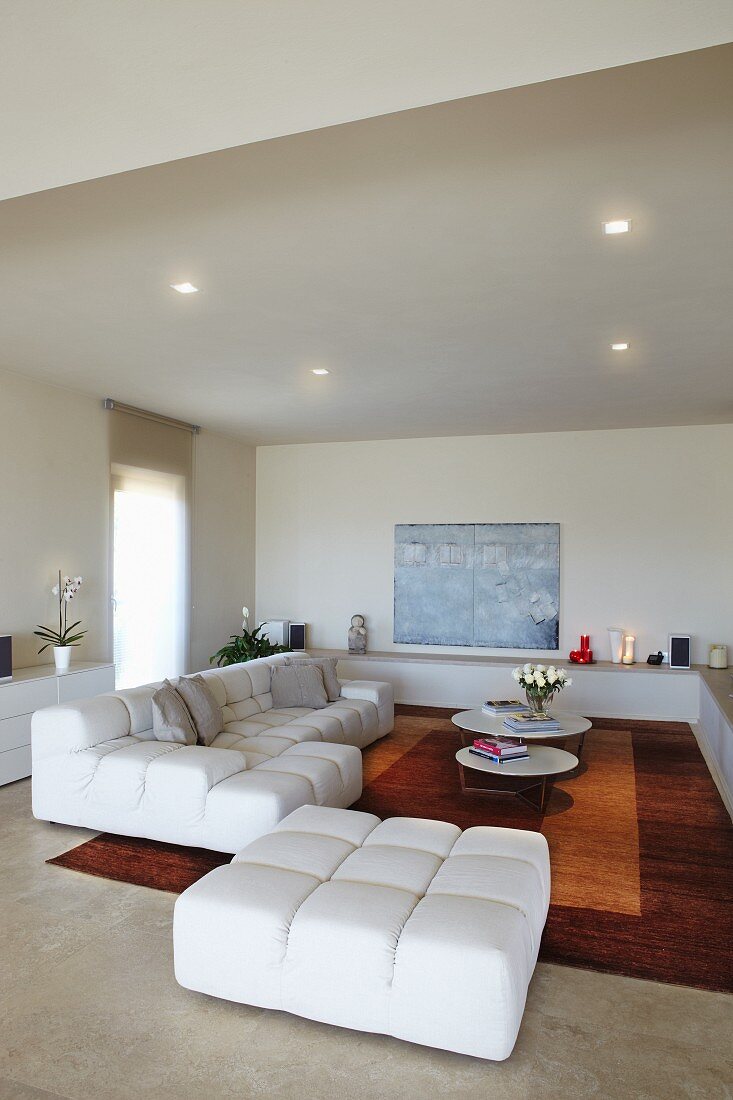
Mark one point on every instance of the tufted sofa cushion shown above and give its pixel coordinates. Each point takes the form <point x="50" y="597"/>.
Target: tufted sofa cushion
<point x="406" y="927"/>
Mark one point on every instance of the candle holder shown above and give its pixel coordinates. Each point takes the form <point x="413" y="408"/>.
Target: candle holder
<point x="584" y="655"/>
<point x="628" y="651"/>
<point x="718" y="656"/>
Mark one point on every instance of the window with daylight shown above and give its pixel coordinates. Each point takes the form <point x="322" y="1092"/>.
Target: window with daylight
<point x="149" y="571"/>
<point x="151" y="474"/>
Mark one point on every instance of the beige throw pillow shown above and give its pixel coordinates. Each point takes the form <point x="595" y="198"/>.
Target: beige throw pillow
<point x="327" y="666"/>
<point x="298" y="686"/>
<point x="202" y="706"/>
<point x="171" y="720"/>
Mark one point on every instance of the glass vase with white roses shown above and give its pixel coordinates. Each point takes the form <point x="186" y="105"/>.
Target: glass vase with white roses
<point x="540" y="683"/>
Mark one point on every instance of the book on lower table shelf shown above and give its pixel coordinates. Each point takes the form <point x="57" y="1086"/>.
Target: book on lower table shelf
<point x="502" y="759"/>
<point x="500" y="746"/>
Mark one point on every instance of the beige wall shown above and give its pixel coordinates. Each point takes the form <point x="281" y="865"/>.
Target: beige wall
<point x="223" y="542"/>
<point x="54" y="513"/>
<point x="646" y="526"/>
<point x="54" y="484"/>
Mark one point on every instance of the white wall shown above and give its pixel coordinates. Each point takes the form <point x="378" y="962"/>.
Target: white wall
<point x="646" y="526"/>
<point x="54" y="513"/>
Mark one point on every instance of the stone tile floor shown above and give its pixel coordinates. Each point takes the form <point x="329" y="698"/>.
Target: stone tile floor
<point x="89" y="1008"/>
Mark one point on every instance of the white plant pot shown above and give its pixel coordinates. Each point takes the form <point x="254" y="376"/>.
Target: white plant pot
<point x="62" y="656"/>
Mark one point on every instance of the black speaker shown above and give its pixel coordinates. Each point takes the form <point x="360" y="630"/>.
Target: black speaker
<point x="6" y="656"/>
<point x="679" y="651"/>
<point x="297" y="635"/>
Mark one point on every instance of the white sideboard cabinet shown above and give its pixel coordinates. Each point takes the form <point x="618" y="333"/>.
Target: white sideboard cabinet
<point x="30" y="689"/>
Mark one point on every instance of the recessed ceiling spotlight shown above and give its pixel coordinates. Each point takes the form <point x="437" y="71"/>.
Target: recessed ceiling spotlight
<point x="621" y="225"/>
<point x="320" y="370"/>
<point x="185" y="288"/>
<point x="619" y="347"/>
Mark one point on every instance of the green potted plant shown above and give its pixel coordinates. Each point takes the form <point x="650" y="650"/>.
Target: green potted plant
<point x="245" y="646"/>
<point x="66" y="637"/>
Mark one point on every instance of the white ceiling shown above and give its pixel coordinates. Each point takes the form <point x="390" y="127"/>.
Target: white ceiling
<point x="446" y="264"/>
<point x="93" y="87"/>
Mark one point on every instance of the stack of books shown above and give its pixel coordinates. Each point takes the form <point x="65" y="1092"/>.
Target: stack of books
<point x="525" y="723"/>
<point x="503" y="706"/>
<point x="499" y="749"/>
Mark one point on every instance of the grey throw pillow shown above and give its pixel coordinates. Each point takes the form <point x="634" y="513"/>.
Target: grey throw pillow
<point x="171" y="720"/>
<point x="327" y="666"/>
<point x="298" y="686"/>
<point x="202" y="706"/>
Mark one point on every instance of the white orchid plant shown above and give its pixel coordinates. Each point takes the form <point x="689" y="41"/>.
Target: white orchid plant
<point x="65" y="591"/>
<point x="540" y="682"/>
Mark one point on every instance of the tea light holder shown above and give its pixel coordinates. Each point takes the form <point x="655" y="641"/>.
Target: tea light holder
<point x="628" y="650"/>
<point x="718" y="656"/>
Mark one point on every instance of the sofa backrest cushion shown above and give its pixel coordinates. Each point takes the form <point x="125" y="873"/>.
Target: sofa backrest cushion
<point x="171" y="718"/>
<point x="139" y="704"/>
<point x="243" y="690"/>
<point x="240" y="690"/>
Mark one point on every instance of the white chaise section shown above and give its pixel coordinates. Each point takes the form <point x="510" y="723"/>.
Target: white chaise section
<point x="405" y="927"/>
<point x="96" y="763"/>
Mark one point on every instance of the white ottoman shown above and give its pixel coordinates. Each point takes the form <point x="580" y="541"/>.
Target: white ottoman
<point x="406" y="927"/>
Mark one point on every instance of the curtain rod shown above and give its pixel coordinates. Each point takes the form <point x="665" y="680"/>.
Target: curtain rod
<point x="109" y="403"/>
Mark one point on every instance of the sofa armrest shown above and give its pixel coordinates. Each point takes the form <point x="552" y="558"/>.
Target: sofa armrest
<point x="377" y="692"/>
<point x="72" y="727"/>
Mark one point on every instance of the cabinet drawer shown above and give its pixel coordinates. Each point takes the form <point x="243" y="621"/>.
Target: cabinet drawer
<point x="15" y="764"/>
<point x="26" y="696"/>
<point x="85" y="685"/>
<point x="15" y="732"/>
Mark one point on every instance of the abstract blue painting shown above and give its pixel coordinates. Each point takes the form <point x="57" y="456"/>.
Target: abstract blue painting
<point x="477" y="584"/>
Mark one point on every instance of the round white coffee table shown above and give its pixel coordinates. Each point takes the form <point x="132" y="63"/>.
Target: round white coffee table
<point x="530" y="779"/>
<point x="476" y="721"/>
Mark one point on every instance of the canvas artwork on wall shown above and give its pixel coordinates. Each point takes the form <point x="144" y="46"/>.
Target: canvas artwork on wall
<point x="477" y="584"/>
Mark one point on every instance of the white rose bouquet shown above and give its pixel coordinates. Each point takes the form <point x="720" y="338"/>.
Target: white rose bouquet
<point x="540" y="683"/>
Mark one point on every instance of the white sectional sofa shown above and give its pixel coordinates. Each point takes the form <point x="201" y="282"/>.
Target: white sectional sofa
<point x="96" y="763"/>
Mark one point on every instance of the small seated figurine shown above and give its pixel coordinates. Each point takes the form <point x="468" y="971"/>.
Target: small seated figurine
<point x="357" y="635"/>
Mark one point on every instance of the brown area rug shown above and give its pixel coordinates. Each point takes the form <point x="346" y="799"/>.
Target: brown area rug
<point x="169" y="867"/>
<point x="640" y="843"/>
